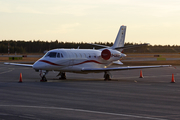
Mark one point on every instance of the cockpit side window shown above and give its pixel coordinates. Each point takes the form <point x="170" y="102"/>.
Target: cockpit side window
<point x="51" y="54"/>
<point x="62" y="55"/>
<point x="58" y="55"/>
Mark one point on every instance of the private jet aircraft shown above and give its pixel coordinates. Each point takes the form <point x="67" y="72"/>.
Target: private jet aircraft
<point x="84" y="60"/>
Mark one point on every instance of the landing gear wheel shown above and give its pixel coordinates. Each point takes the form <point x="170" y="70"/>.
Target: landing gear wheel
<point x="63" y="76"/>
<point x="107" y="76"/>
<point x="43" y="79"/>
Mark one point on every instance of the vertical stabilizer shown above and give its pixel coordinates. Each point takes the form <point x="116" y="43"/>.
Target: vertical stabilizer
<point x="119" y="42"/>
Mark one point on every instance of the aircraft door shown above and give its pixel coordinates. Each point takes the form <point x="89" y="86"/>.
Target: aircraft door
<point x="71" y="62"/>
<point x="71" y="59"/>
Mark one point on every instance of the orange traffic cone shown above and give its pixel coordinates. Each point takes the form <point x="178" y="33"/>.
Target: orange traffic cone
<point x="141" y="74"/>
<point x="20" y="78"/>
<point x="173" y="80"/>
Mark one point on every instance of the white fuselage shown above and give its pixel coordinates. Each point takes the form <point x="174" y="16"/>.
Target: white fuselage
<point x="74" y="60"/>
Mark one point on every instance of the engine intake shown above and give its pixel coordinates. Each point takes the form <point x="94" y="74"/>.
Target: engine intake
<point x="106" y="54"/>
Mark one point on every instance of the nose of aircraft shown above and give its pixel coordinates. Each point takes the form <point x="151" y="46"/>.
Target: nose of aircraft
<point x="123" y="55"/>
<point x="38" y="65"/>
<point x="35" y="66"/>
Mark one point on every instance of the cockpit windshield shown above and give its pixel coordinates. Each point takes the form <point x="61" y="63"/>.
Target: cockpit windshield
<point x="51" y="54"/>
<point x="54" y="55"/>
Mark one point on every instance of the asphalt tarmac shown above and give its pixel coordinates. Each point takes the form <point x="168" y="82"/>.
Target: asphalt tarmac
<point x="88" y="96"/>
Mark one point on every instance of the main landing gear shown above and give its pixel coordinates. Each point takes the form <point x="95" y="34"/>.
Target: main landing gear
<point x="43" y="74"/>
<point x="107" y="75"/>
<point x="62" y="75"/>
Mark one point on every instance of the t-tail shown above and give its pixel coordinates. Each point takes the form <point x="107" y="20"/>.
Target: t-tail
<point x="119" y="42"/>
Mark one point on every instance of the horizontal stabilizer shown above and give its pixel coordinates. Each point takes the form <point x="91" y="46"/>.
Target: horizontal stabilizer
<point x="132" y="46"/>
<point x="98" y="45"/>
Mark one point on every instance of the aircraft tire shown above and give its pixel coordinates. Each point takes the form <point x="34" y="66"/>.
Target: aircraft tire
<point x="43" y="79"/>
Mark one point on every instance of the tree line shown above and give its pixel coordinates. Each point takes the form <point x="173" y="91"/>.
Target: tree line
<point x="37" y="46"/>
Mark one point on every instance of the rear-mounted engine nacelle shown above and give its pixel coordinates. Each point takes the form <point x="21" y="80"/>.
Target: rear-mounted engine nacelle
<point x="106" y="54"/>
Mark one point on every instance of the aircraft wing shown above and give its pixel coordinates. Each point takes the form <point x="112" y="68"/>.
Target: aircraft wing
<point x="17" y="64"/>
<point x="121" y="68"/>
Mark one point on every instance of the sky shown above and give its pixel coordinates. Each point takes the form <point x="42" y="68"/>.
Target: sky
<point x="148" y="21"/>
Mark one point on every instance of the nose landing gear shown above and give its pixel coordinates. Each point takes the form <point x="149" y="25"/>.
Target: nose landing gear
<point x="43" y="79"/>
<point x="43" y="74"/>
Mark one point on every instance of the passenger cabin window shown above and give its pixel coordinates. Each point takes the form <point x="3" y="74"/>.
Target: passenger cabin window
<point x="80" y="55"/>
<point x="51" y="54"/>
<point x="94" y="55"/>
<point x="76" y="55"/>
<point x="84" y="55"/>
<point x="89" y="55"/>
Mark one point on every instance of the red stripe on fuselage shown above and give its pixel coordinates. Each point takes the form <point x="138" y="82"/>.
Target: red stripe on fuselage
<point x="71" y="65"/>
<point x="50" y="62"/>
<point x="88" y="61"/>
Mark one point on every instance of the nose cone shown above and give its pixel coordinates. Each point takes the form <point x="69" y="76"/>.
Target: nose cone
<point x="123" y="55"/>
<point x="38" y="65"/>
<point x="35" y="66"/>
